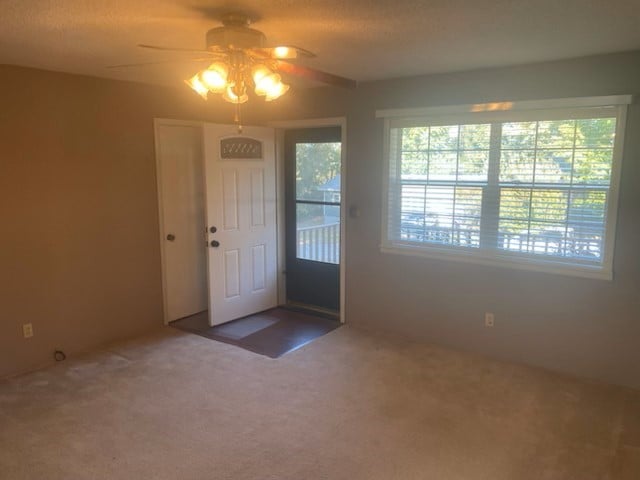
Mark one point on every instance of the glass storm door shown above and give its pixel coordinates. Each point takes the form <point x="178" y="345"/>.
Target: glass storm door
<point x="312" y="184"/>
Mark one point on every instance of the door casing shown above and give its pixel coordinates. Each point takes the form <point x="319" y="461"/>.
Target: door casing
<point x="280" y="127"/>
<point x="311" y="284"/>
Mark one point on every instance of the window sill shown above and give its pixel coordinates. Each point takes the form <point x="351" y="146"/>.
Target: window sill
<point x="499" y="260"/>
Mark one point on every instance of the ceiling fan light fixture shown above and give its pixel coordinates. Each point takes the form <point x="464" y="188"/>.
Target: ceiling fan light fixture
<point x="242" y="59"/>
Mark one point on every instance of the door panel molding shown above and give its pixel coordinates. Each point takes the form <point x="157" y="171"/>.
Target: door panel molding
<point x="232" y="273"/>
<point x="259" y="271"/>
<point x="230" y="202"/>
<point x="257" y="197"/>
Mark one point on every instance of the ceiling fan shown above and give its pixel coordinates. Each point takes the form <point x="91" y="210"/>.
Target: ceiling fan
<point x="239" y="58"/>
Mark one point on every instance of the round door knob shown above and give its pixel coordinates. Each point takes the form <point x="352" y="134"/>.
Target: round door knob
<point x="213" y="229"/>
<point x="215" y="243"/>
<point x="171" y="237"/>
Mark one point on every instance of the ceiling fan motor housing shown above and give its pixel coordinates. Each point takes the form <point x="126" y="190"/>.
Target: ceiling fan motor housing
<point x="235" y="37"/>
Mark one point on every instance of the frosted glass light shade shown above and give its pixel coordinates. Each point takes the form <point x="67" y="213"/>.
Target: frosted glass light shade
<point x="277" y="91"/>
<point x="259" y="72"/>
<point x="196" y="84"/>
<point x="215" y="77"/>
<point x="267" y="83"/>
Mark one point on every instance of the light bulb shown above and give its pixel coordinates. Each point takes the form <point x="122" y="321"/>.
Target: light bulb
<point x="267" y="83"/>
<point x="215" y="77"/>
<point x="284" y="52"/>
<point x="277" y="91"/>
<point x="259" y="72"/>
<point x="230" y="96"/>
<point x="195" y="83"/>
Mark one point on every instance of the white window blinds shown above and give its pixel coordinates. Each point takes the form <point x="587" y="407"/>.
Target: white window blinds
<point x="521" y="187"/>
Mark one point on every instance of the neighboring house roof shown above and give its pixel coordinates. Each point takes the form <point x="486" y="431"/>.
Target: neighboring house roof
<point x="332" y="185"/>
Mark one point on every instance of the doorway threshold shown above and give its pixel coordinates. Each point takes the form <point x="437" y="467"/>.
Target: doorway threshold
<point x="312" y="310"/>
<point x="272" y="333"/>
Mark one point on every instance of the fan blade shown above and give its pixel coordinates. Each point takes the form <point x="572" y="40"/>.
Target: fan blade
<point x="144" y="64"/>
<point x="313" y="74"/>
<point x="174" y="49"/>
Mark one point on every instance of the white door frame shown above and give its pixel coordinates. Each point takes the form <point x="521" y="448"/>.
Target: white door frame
<point x="280" y="127"/>
<point x="157" y="122"/>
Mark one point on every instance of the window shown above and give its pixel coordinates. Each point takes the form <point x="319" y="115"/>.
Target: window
<point x="518" y="186"/>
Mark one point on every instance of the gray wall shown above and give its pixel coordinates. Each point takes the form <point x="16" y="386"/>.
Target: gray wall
<point x="586" y="327"/>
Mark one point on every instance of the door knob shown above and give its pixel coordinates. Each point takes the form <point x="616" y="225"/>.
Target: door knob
<point x="171" y="237"/>
<point x="213" y="229"/>
<point x="215" y="243"/>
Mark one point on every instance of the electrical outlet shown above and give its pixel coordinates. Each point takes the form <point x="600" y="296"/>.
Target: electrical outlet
<point x="488" y="319"/>
<point x="27" y="330"/>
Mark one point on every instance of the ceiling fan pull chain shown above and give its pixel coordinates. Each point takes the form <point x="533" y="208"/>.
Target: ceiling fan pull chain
<point x="237" y="118"/>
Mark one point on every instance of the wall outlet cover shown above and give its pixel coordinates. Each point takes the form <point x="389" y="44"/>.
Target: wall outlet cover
<point x="489" y="319"/>
<point x="27" y="330"/>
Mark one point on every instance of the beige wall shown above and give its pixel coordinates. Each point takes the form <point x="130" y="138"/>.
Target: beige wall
<point x="586" y="327"/>
<point x="79" y="251"/>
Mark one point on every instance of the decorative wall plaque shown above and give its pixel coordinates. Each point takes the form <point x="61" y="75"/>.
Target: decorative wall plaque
<point x="240" y="147"/>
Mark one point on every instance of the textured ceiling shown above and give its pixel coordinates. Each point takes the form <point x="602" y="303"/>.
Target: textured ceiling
<point x="361" y="39"/>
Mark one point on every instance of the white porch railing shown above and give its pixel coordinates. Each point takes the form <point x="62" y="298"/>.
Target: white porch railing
<point x="585" y="246"/>
<point x="320" y="243"/>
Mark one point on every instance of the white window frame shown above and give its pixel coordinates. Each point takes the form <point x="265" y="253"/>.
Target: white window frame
<point x="501" y="112"/>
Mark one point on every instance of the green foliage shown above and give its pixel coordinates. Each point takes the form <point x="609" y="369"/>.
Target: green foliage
<point x="446" y="151"/>
<point x="316" y="164"/>
<point x="569" y="152"/>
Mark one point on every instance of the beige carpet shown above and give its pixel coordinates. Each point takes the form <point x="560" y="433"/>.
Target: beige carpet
<point x="350" y="405"/>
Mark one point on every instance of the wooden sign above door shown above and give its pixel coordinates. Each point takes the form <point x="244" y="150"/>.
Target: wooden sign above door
<point x="240" y="148"/>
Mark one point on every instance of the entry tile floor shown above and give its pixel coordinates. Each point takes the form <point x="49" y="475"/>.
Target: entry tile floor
<point x="272" y="333"/>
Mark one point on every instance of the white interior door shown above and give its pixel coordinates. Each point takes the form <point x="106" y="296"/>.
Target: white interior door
<point x="241" y="206"/>
<point x="181" y="201"/>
